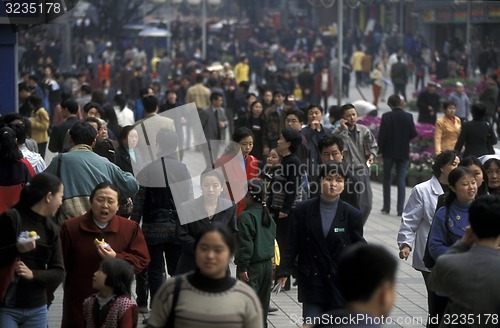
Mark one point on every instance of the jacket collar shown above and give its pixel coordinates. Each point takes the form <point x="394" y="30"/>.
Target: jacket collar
<point x="436" y="186"/>
<point x="88" y="224"/>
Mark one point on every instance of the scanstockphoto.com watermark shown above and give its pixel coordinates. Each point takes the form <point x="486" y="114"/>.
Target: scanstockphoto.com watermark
<point x="357" y="319"/>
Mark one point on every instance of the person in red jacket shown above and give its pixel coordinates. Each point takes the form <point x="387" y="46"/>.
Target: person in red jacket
<point x="236" y="179"/>
<point x="89" y="239"/>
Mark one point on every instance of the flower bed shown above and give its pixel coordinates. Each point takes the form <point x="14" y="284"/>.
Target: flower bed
<point x="421" y="152"/>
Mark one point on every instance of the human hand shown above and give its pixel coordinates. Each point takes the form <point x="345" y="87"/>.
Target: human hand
<point x="404" y="252"/>
<point x="244" y="276"/>
<point x="469" y="238"/>
<point x="222" y="125"/>
<point x="315" y="125"/>
<point x="106" y="252"/>
<point x="26" y="247"/>
<point x="283" y="215"/>
<point x="282" y="281"/>
<point x="370" y="159"/>
<point x="23" y="271"/>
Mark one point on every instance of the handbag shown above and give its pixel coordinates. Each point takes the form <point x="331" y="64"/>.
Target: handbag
<point x="163" y="225"/>
<point x="8" y="283"/>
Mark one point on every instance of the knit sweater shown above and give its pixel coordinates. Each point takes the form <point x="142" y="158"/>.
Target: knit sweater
<point x="207" y="303"/>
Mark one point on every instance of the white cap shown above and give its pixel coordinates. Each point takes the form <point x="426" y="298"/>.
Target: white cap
<point x="485" y="158"/>
<point x="459" y="84"/>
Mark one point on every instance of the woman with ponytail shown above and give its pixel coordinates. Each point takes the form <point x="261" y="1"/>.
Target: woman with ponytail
<point x="37" y="261"/>
<point x="256" y="235"/>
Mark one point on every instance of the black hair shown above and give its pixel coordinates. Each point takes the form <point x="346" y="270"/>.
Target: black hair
<point x="225" y="233"/>
<point x="150" y="104"/>
<point x="330" y="140"/>
<point x="98" y="97"/>
<point x="250" y="94"/>
<point x="119" y="275"/>
<point x="35" y="100"/>
<point x="10" y="117"/>
<point x="394" y="101"/>
<point x="346" y="107"/>
<point x="9" y="152"/>
<point x="334" y="112"/>
<point x="83" y="133"/>
<point x="447" y="104"/>
<point x="86" y="89"/>
<point x="38" y="187"/>
<point x="241" y="133"/>
<point x="278" y="92"/>
<point x="120" y="100"/>
<point x="455" y="175"/>
<point x="70" y="105"/>
<point x="20" y="131"/>
<point x="213" y="173"/>
<point x="167" y="140"/>
<point x="484" y="216"/>
<point x="296" y="112"/>
<point x="103" y="185"/>
<point x="214" y="96"/>
<point x="144" y="92"/>
<point x="312" y="106"/>
<point x="94" y="120"/>
<point x="441" y="160"/>
<point x="293" y="137"/>
<point x="124" y="134"/>
<point x="199" y="78"/>
<point x="472" y="160"/>
<point x="91" y="105"/>
<point x="478" y="111"/>
<point x="362" y="269"/>
<point x="23" y="86"/>
<point x="257" y="190"/>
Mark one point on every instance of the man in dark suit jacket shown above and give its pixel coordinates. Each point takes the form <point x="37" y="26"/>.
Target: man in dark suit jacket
<point x="320" y="229"/>
<point x="399" y="76"/>
<point x="396" y="130"/>
<point x="428" y="104"/>
<point x="59" y="132"/>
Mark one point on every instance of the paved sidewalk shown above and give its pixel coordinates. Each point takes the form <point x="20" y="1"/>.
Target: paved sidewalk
<point x="410" y="309"/>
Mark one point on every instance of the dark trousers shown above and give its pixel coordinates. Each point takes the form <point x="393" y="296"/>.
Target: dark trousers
<point x="401" y="169"/>
<point x="436" y="304"/>
<point x="156" y="270"/>
<point x="260" y="275"/>
<point x="141" y="288"/>
<point x="359" y="78"/>
<point x="42" y="147"/>
<point x="282" y="232"/>
<point x="400" y="88"/>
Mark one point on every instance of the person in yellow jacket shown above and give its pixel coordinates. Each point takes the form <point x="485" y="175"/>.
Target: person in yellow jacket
<point x="39" y="123"/>
<point x="357" y="66"/>
<point x="447" y="129"/>
<point x="242" y="71"/>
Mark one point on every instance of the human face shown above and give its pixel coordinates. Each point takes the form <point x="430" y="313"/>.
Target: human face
<point x="211" y="187"/>
<point x="445" y="170"/>
<point x="102" y="134"/>
<point x="273" y="159"/>
<point x="478" y="174"/>
<point x="283" y="145"/>
<point x="217" y="102"/>
<point x="99" y="280"/>
<point x="465" y="188"/>
<point x="332" y="186"/>
<point x="450" y="111"/>
<point x="55" y="201"/>
<point x="133" y="137"/>
<point x="332" y="153"/>
<point x="268" y="97"/>
<point x="93" y="112"/>
<point x="251" y="100"/>
<point x="493" y="173"/>
<point x="351" y="116"/>
<point x="292" y="121"/>
<point x="246" y="145"/>
<point x="257" y="109"/>
<point x="104" y="205"/>
<point x="278" y="99"/>
<point x="460" y="89"/>
<point x="314" y="115"/>
<point x="212" y="255"/>
<point x="172" y="97"/>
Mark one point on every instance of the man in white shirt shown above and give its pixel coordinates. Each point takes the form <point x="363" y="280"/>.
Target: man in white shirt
<point x="35" y="159"/>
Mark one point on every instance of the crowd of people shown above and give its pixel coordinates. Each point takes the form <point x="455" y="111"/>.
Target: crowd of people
<point x="106" y="209"/>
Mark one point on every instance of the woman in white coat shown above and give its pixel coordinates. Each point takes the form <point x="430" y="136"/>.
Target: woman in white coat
<point x="418" y="214"/>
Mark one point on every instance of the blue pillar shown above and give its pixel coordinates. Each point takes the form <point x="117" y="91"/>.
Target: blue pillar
<point x="8" y="70"/>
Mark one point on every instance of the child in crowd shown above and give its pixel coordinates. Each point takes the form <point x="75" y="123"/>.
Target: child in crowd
<point x="112" y="306"/>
